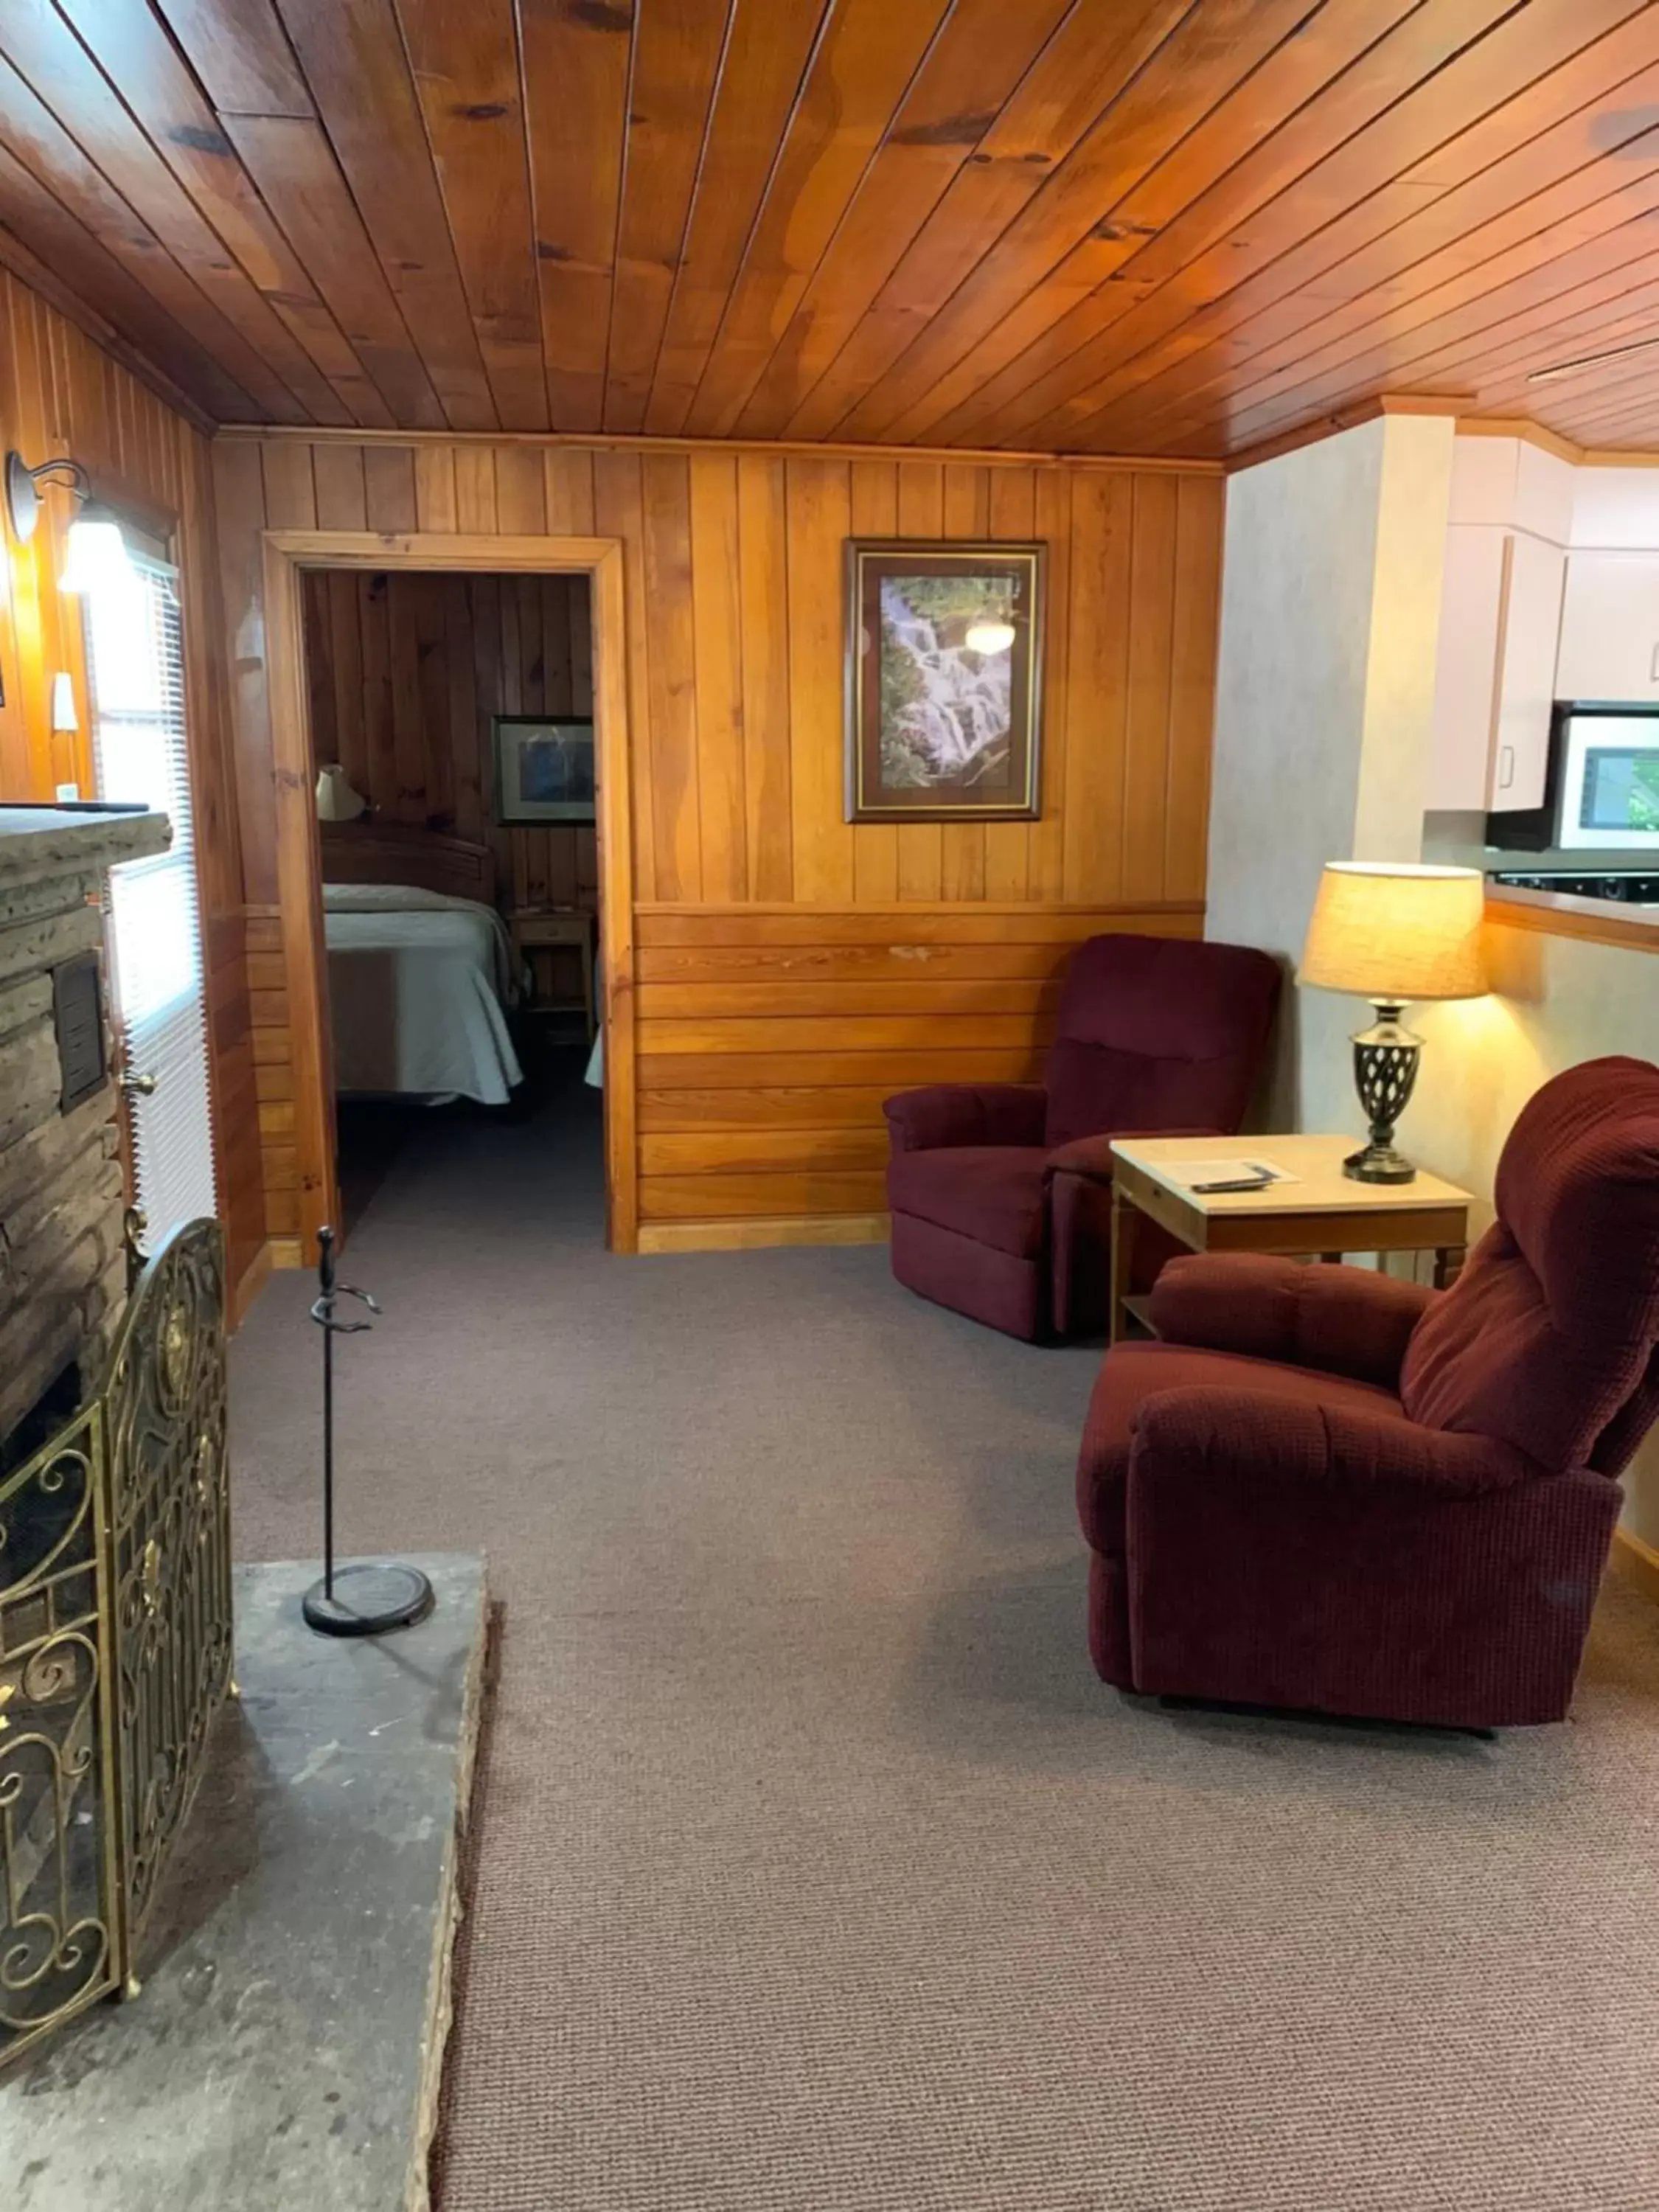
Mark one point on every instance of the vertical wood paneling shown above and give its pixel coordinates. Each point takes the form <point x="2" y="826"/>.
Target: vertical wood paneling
<point x="435" y="489"/>
<point x="619" y="511"/>
<point x="338" y="474"/>
<point x="58" y="394"/>
<point x="1045" y="851"/>
<point x="520" y="499"/>
<point x="1194" y="639"/>
<point x="819" y="519"/>
<point x="765" y="1055"/>
<point x="1098" y="613"/>
<point x="1146" y="719"/>
<point x="389" y="487"/>
<point x="475" y="487"/>
<point x="670" y="784"/>
<point x="407" y="671"/>
<point x="875" y="844"/>
<point x="921" y="844"/>
<point x="763" y="590"/>
<point x="734" y="573"/>
<point x="290" y="489"/>
<point x="1007" y="858"/>
<point x="717" y="620"/>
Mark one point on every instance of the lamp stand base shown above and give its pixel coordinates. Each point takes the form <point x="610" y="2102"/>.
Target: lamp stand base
<point x="1379" y="1163"/>
<point x="368" y="1598"/>
<point x="1385" y="1062"/>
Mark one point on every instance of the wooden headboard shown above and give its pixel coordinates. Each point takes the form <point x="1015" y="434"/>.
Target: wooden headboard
<point x="393" y="852"/>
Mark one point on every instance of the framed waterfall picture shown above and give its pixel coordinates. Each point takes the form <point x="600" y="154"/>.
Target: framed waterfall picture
<point x="544" y="769"/>
<point x="943" y="681"/>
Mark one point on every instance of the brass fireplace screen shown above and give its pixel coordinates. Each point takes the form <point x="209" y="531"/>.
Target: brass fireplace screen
<point x="115" y="1645"/>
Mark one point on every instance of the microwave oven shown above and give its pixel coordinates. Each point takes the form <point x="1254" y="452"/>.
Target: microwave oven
<point x="1600" y="788"/>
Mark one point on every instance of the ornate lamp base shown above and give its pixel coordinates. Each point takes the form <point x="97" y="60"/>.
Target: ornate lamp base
<point x="1385" y="1062"/>
<point x="367" y="1599"/>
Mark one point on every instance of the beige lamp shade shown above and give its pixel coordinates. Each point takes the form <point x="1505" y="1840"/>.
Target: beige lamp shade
<point x="1394" y="932"/>
<point x="337" y="799"/>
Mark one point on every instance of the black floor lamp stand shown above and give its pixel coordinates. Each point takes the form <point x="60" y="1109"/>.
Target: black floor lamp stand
<point x="370" y="1595"/>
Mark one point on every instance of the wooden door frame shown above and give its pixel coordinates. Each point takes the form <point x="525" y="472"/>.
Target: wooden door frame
<point x="287" y="554"/>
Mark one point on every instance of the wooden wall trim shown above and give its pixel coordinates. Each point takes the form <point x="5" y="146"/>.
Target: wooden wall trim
<point x="717" y="1236"/>
<point x="1530" y="433"/>
<point x="615" y="897"/>
<point x="773" y="448"/>
<point x="300" y="898"/>
<point x="1468" y="426"/>
<point x="1333" y="426"/>
<point x="1103" y="907"/>
<point x="402" y="549"/>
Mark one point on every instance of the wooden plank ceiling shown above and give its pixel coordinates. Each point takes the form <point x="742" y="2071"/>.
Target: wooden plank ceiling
<point x="1162" y="226"/>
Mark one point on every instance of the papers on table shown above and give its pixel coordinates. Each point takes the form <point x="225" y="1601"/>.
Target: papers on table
<point x="1250" y="1173"/>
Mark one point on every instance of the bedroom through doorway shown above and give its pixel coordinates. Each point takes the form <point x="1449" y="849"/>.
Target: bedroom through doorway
<point x="454" y="768"/>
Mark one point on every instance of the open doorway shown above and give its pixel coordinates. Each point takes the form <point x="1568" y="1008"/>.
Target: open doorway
<point x="453" y="764"/>
<point x="433" y="688"/>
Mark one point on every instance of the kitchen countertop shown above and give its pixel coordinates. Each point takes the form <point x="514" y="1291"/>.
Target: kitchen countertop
<point x="1563" y="913"/>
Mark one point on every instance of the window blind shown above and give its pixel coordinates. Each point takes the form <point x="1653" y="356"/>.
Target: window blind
<point x="136" y="643"/>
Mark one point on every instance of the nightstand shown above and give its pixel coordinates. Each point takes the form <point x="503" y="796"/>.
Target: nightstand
<point x="536" y="928"/>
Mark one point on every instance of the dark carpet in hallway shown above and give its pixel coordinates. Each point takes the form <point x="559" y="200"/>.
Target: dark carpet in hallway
<point x="816" y="1870"/>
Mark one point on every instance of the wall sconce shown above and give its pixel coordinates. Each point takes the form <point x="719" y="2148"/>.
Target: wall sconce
<point x="97" y="551"/>
<point x="22" y="498"/>
<point x="337" y="799"/>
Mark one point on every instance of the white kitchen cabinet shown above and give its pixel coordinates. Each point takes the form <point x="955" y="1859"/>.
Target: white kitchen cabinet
<point x="1534" y="576"/>
<point x="1610" y="627"/>
<point x="1494" y="677"/>
<point x="1465" y="668"/>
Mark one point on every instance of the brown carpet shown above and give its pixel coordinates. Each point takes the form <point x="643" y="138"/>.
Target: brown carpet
<point x="815" y="1869"/>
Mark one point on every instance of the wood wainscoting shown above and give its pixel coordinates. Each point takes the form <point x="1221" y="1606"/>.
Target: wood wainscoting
<point x="768" y="1036"/>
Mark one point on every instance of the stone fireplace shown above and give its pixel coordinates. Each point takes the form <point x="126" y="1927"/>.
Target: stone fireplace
<point x="62" y="1264"/>
<point x="115" y="1624"/>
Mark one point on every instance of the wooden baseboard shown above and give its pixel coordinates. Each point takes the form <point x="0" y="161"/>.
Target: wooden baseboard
<point x="752" y="1236"/>
<point x="249" y="1285"/>
<point x="1636" y="1564"/>
<point x="286" y="1252"/>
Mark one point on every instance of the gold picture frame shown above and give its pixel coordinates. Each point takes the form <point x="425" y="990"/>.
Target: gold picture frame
<point x="943" y="681"/>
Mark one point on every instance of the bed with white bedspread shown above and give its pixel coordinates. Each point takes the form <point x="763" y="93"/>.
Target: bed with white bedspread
<point x="419" y="983"/>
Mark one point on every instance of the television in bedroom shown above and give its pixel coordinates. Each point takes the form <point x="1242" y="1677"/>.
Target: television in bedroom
<point x="543" y="768"/>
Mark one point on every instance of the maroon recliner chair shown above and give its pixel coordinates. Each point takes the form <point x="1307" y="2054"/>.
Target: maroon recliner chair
<point x="1326" y="1489"/>
<point x="1001" y="1192"/>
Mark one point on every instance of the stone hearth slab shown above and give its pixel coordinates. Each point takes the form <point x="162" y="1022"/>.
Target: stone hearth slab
<point x="286" y="2047"/>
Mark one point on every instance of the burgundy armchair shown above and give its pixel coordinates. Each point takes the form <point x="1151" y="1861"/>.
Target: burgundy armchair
<point x="1001" y="1192"/>
<point x="1326" y="1489"/>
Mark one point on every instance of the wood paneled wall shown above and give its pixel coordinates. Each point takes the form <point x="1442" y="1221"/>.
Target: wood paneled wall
<point x="885" y="946"/>
<point x="406" y="674"/>
<point x="60" y="394"/>
<point x="768" y="1037"/>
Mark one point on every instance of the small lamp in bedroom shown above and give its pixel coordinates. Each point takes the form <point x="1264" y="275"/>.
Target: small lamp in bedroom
<point x="1390" y="931"/>
<point x="337" y="800"/>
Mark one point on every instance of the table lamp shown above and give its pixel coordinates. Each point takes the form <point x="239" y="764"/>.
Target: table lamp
<point x="1390" y="931"/>
<point x="337" y="799"/>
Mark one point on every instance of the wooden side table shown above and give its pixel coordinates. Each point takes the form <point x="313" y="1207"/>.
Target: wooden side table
<point x="538" y="927"/>
<point x="1322" y="1211"/>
